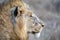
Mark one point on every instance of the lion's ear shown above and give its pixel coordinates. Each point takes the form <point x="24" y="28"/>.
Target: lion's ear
<point x="19" y="11"/>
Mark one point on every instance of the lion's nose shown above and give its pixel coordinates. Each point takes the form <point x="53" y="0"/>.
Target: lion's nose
<point x="42" y="25"/>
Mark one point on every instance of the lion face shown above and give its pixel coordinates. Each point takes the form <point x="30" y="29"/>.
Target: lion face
<point x="33" y="24"/>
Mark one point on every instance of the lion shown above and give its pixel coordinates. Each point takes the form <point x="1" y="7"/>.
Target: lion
<point x="17" y="21"/>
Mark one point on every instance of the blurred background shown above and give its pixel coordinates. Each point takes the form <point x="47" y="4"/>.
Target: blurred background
<point x="49" y="12"/>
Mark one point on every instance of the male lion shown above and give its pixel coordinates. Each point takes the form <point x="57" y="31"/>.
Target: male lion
<point x="16" y="21"/>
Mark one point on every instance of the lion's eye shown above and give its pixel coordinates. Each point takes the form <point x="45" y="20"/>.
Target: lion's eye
<point x="30" y="15"/>
<point x="35" y="24"/>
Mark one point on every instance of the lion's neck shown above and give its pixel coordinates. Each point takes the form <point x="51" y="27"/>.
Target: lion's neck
<point x="20" y="29"/>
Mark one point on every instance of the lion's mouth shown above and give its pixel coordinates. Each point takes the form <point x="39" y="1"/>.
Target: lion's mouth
<point x="33" y="32"/>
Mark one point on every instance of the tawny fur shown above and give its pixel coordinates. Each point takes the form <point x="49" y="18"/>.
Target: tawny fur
<point x="16" y="28"/>
<point x="7" y="31"/>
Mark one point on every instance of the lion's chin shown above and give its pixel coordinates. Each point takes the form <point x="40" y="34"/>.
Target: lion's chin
<point x="37" y="35"/>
